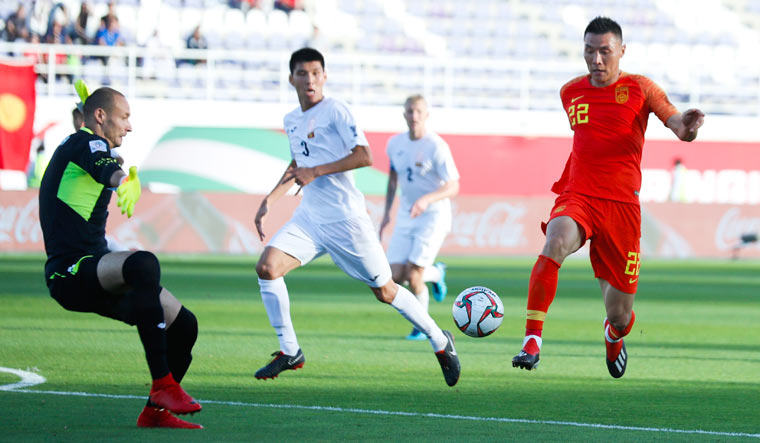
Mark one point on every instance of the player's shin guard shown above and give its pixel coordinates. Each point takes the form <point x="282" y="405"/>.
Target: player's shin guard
<point x="149" y="317"/>
<point x="412" y="310"/>
<point x="274" y="294"/>
<point x="541" y="291"/>
<point x="142" y="273"/>
<point x="424" y="298"/>
<point x="180" y="338"/>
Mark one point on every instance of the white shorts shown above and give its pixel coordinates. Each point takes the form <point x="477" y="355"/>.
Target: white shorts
<point x="352" y="244"/>
<point x="418" y="240"/>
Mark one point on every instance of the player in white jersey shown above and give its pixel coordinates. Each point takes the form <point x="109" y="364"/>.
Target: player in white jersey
<point x="421" y="163"/>
<point x="326" y="145"/>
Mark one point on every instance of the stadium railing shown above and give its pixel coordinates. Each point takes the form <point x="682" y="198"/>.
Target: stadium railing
<point x="361" y="79"/>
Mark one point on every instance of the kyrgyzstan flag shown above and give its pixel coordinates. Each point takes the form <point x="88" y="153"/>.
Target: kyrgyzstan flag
<point x="17" y="103"/>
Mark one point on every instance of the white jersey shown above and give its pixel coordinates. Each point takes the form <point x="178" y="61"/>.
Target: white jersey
<point x="325" y="133"/>
<point x="422" y="166"/>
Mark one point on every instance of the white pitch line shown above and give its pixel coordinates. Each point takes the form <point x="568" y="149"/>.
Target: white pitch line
<point x="30" y="379"/>
<point x="27" y="379"/>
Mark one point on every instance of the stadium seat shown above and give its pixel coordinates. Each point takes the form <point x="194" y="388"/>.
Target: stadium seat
<point x="300" y="24"/>
<point x="146" y="21"/>
<point x="212" y="25"/>
<point x="486" y="31"/>
<point x="233" y="29"/>
<point x="278" y="34"/>
<point x="169" y="27"/>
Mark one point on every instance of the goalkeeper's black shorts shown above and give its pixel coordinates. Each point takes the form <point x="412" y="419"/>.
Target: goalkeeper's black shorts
<point x="73" y="283"/>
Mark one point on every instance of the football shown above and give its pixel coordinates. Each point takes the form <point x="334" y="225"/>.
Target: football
<point x="478" y="311"/>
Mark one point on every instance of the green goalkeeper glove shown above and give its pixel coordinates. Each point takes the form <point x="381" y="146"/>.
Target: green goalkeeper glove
<point x="129" y="192"/>
<point x="82" y="91"/>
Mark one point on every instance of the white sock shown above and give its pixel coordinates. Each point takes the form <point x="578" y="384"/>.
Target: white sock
<point x="411" y="309"/>
<point x="274" y="294"/>
<point x="607" y="335"/>
<point x="431" y="274"/>
<point x="424" y="298"/>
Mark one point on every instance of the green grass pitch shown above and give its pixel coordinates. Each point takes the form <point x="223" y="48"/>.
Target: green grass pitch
<point x="693" y="374"/>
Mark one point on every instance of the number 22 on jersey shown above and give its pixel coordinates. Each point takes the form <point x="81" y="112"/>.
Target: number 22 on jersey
<point x="578" y="113"/>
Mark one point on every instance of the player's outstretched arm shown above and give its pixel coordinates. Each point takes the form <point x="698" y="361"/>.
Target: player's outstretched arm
<point x="686" y="124"/>
<point x="285" y="183"/>
<point x="390" y="195"/>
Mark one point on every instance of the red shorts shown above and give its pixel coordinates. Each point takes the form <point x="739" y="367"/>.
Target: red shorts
<point x="614" y="229"/>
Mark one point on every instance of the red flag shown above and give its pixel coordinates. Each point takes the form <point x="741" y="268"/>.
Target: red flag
<point x="17" y="103"/>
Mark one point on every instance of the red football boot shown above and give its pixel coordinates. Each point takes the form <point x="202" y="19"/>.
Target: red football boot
<point x="167" y="393"/>
<point x="152" y="417"/>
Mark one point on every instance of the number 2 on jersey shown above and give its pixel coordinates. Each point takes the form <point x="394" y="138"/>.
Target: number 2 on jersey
<point x="578" y="113"/>
<point x="408" y="174"/>
<point x="305" y="148"/>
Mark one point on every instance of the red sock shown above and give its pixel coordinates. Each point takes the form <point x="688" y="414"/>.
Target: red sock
<point x="541" y="291"/>
<point x="615" y="334"/>
<point x="613" y="348"/>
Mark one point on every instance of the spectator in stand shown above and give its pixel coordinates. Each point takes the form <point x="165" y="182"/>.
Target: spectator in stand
<point x="57" y="14"/>
<point x="57" y="35"/>
<point x="287" y="5"/>
<point x="196" y="40"/>
<point x="17" y="25"/>
<point x="110" y="34"/>
<point x="246" y="5"/>
<point x="39" y="17"/>
<point x="110" y="14"/>
<point x="78" y="29"/>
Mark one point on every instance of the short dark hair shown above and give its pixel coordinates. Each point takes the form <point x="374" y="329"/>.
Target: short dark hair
<point x="602" y="25"/>
<point x="101" y="98"/>
<point x="306" y="55"/>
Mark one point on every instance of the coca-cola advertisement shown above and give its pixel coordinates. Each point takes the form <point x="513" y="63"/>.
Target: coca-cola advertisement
<point x="208" y="222"/>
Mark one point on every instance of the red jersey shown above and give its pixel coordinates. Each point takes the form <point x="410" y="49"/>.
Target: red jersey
<point x="609" y="125"/>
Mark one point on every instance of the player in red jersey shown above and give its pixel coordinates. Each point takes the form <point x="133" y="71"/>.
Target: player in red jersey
<point x="598" y="192"/>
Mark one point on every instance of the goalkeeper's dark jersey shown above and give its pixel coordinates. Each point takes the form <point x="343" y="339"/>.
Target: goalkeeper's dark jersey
<point x="74" y="196"/>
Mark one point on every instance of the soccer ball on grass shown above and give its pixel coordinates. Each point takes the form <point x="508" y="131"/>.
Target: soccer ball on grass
<point x="478" y="311"/>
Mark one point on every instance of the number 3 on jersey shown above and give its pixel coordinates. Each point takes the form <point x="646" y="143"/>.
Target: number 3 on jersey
<point x="578" y="113"/>
<point x="305" y="149"/>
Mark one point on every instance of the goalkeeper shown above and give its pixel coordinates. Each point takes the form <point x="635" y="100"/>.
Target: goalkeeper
<point x="83" y="275"/>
